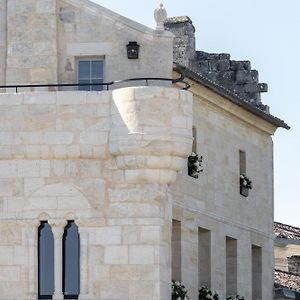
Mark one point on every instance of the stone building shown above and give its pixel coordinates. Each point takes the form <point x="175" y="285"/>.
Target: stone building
<point x="95" y="200"/>
<point x="287" y="261"/>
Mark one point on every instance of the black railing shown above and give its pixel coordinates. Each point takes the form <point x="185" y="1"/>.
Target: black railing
<point x="104" y="84"/>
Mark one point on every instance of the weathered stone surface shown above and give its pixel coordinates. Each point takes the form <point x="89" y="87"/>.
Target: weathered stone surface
<point x="58" y="166"/>
<point x="236" y="76"/>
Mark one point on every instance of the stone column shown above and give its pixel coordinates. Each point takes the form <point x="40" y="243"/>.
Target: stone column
<point x="2" y="41"/>
<point x="58" y="230"/>
<point x="32" y="242"/>
<point x="84" y="264"/>
<point x="151" y="138"/>
<point x="218" y="261"/>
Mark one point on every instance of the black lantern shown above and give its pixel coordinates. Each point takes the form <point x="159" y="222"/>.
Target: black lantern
<point x="133" y="50"/>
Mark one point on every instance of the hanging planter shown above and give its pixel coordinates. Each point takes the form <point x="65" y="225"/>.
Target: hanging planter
<point x="195" y="165"/>
<point x="179" y="291"/>
<point x="207" y="294"/>
<point x="245" y="185"/>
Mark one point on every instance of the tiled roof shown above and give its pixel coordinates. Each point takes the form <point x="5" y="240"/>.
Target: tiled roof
<point x="288" y="232"/>
<point x="287" y="280"/>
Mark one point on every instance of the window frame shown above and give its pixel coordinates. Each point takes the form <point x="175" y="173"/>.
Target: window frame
<point x="90" y="59"/>
<point x="46" y="247"/>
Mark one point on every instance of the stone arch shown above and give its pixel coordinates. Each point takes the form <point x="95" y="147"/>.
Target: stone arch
<point x="56" y="200"/>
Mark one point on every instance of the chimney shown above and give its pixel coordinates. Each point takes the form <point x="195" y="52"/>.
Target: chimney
<point x="184" y="42"/>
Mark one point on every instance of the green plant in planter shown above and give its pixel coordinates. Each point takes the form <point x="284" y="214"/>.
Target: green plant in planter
<point x="245" y="185"/>
<point x="207" y="294"/>
<point x="179" y="291"/>
<point x="235" y="297"/>
<point x="245" y="181"/>
<point x="195" y="165"/>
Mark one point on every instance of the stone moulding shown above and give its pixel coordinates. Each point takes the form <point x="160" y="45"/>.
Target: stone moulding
<point x="151" y="133"/>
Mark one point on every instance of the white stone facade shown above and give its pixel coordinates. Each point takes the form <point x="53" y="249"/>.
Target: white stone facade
<point x="110" y="161"/>
<point x="82" y="156"/>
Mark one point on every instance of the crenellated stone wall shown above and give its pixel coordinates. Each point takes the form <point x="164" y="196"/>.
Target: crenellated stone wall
<point x="236" y="76"/>
<point x="96" y="158"/>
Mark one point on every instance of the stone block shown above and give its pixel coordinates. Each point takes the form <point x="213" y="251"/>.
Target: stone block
<point x="106" y="236"/>
<point x="6" y="255"/>
<point x="39" y="98"/>
<point x="141" y="255"/>
<point x="116" y="255"/>
<point x="8" y="169"/>
<point x="71" y="98"/>
<point x="94" y="138"/>
<point x="58" y="138"/>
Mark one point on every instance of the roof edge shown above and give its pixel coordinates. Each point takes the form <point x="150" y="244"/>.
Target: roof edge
<point x="128" y="22"/>
<point x="232" y="97"/>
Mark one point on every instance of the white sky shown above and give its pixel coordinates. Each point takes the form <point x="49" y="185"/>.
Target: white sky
<point x="266" y="32"/>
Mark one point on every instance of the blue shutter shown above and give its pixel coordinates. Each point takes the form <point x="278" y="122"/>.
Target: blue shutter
<point x="71" y="263"/>
<point x="45" y="261"/>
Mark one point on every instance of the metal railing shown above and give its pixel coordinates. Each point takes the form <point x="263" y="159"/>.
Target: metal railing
<point x="107" y="85"/>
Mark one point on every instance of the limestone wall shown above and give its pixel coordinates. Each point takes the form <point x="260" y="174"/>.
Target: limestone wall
<point x="85" y="30"/>
<point x="31" y="42"/>
<point x="213" y="201"/>
<point x="2" y="40"/>
<point x="283" y="250"/>
<point x="57" y="163"/>
<point x="46" y="38"/>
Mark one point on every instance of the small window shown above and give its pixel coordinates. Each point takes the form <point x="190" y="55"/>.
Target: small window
<point x="242" y="162"/>
<point x="256" y="272"/>
<point x="194" y="147"/>
<point x="71" y="263"/>
<point x="90" y="71"/>
<point x="45" y="261"/>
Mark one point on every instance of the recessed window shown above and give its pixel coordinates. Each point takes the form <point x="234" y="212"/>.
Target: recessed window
<point x="71" y="264"/>
<point x="90" y="71"/>
<point x="45" y="261"/>
<point x="204" y="257"/>
<point x="256" y="272"/>
<point x="231" y="266"/>
<point x="242" y="155"/>
<point x="194" y="148"/>
<point x="176" y="250"/>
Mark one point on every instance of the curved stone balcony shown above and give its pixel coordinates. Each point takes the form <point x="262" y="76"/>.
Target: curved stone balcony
<point x="151" y="132"/>
<point x="147" y="130"/>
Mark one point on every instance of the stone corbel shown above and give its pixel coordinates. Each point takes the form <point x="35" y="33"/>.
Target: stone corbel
<point x="151" y="135"/>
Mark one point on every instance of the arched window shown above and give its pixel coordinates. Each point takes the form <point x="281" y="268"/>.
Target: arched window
<point x="71" y="264"/>
<point x="45" y="261"/>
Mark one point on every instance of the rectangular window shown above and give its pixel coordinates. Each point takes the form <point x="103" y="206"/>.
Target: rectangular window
<point x="194" y="148"/>
<point x="90" y="71"/>
<point x="204" y="257"/>
<point x="176" y="250"/>
<point x="231" y="266"/>
<point x="256" y="272"/>
<point x="242" y="155"/>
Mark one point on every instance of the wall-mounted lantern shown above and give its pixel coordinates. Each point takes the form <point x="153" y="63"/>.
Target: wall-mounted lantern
<point x="133" y="50"/>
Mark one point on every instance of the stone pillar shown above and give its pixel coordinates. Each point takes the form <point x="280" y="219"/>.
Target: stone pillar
<point x="84" y="262"/>
<point x="184" y="42"/>
<point x="189" y="235"/>
<point x="58" y="230"/>
<point x="31" y="42"/>
<point x="150" y="138"/>
<point x="244" y="283"/>
<point x="218" y="262"/>
<point x="32" y="242"/>
<point x="2" y="41"/>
